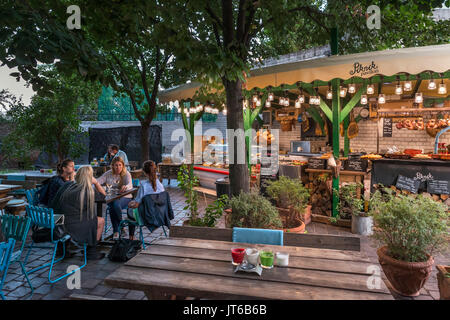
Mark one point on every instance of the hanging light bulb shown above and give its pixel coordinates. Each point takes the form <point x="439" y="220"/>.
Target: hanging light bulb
<point x="381" y="98"/>
<point x="200" y="108"/>
<point x="398" y="89"/>
<point x="329" y="93"/>
<point x="419" y="97"/>
<point x="244" y="104"/>
<point x="431" y="85"/>
<point x="297" y="104"/>
<point x="442" y="87"/>
<point x="351" y="88"/>
<point x="268" y="104"/>
<point x="342" y="92"/>
<point x="255" y="98"/>
<point x="407" y="86"/>
<point x="363" y="99"/>
<point x="301" y="98"/>
<point x="258" y="102"/>
<point x="286" y="102"/>
<point x="270" y="97"/>
<point x="370" y="89"/>
<point x="318" y="100"/>
<point x="224" y="111"/>
<point x="281" y="101"/>
<point x="312" y="100"/>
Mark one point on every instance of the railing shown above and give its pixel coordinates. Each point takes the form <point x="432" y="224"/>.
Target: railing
<point x="160" y="116"/>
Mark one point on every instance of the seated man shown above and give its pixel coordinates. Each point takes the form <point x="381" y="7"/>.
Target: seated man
<point x="114" y="151"/>
<point x="66" y="173"/>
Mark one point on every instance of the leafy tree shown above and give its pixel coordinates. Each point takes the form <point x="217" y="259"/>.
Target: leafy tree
<point x="51" y="122"/>
<point x="117" y="44"/>
<point x="222" y="39"/>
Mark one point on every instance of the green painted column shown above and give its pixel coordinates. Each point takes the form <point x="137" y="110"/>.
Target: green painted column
<point x="336" y="109"/>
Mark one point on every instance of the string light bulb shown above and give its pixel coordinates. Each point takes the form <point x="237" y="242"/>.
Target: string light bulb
<point x="342" y="92"/>
<point x="286" y="102"/>
<point x="224" y="111"/>
<point x="407" y="86"/>
<point x="270" y="97"/>
<point x="351" y="88"/>
<point x="268" y="104"/>
<point x="398" y="89"/>
<point x="418" y="98"/>
<point x="431" y="85"/>
<point x="381" y="98"/>
<point x="370" y="89"/>
<point x="442" y="87"/>
<point x="363" y="99"/>
<point x="329" y="93"/>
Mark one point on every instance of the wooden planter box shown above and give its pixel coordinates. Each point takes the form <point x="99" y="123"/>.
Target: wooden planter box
<point x="443" y="282"/>
<point x="322" y="241"/>
<point x="346" y="223"/>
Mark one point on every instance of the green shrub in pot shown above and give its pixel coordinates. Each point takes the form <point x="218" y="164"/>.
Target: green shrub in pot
<point x="289" y="193"/>
<point x="410" y="228"/>
<point x="349" y="204"/>
<point x="251" y="210"/>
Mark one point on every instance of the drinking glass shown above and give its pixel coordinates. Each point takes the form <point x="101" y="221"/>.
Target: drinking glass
<point x="282" y="259"/>
<point x="237" y="255"/>
<point x="252" y="256"/>
<point x="266" y="258"/>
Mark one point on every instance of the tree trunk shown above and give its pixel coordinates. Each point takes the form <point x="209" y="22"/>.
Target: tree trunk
<point x="145" y="144"/>
<point x="239" y="175"/>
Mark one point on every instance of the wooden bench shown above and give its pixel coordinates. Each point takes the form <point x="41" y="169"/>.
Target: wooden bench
<point x="27" y="184"/>
<point x="322" y="241"/>
<point x="208" y="193"/>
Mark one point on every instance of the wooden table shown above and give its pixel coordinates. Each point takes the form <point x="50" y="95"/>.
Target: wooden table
<point x="30" y="175"/>
<point x="101" y="199"/>
<point x="7" y="188"/>
<point x="202" y="268"/>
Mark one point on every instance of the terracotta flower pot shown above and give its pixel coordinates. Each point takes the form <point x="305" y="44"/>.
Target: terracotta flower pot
<point x="443" y="282"/>
<point x="299" y="229"/>
<point x="407" y="278"/>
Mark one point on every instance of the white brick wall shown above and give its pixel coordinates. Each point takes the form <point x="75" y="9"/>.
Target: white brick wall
<point x="403" y="139"/>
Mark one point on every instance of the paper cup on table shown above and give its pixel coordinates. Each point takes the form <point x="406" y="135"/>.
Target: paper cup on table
<point x="252" y="256"/>
<point x="282" y="259"/>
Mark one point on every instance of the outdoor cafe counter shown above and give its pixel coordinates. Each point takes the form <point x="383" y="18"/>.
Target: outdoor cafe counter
<point x="386" y="171"/>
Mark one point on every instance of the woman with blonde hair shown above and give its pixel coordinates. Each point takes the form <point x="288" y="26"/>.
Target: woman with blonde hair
<point x="120" y="179"/>
<point x="75" y="200"/>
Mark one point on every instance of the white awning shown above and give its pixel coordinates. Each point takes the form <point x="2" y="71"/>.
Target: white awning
<point x="363" y="65"/>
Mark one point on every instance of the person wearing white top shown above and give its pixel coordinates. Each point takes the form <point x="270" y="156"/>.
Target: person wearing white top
<point x="152" y="186"/>
<point x="118" y="177"/>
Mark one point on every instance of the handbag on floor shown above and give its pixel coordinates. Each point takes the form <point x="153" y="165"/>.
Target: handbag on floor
<point x="124" y="249"/>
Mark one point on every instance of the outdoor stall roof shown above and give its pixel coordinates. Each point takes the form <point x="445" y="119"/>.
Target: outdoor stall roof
<point x="360" y="65"/>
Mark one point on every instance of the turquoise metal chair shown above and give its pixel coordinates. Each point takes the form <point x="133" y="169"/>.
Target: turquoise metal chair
<point x="258" y="236"/>
<point x="32" y="196"/>
<point x="17" y="177"/>
<point x="137" y="222"/>
<point x="6" y="249"/>
<point x="136" y="183"/>
<point x="44" y="218"/>
<point x="17" y="228"/>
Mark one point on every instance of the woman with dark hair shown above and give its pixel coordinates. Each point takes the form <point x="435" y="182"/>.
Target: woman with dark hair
<point x="150" y="186"/>
<point x="66" y="173"/>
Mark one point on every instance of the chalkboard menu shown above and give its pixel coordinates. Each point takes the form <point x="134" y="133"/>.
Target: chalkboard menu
<point x="356" y="164"/>
<point x="387" y="127"/>
<point x="408" y="184"/>
<point x="438" y="187"/>
<point x="317" y="163"/>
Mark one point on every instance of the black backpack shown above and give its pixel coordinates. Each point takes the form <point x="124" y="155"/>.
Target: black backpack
<point x="124" y="249"/>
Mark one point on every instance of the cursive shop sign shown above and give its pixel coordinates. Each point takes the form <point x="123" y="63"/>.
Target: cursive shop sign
<point x="360" y="69"/>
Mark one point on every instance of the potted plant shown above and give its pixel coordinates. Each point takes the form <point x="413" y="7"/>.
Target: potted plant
<point x="443" y="277"/>
<point x="410" y="229"/>
<point x="187" y="181"/>
<point x="350" y="206"/>
<point x="251" y="210"/>
<point x="292" y="202"/>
